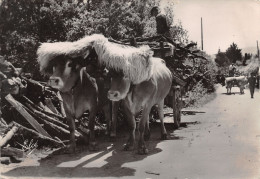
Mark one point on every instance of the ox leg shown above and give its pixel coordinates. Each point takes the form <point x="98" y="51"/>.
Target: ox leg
<point x="107" y="112"/>
<point x="132" y="126"/>
<point x="161" y="115"/>
<point x="147" y="133"/>
<point x="92" y="142"/>
<point x="241" y="89"/>
<point x="72" y="146"/>
<point x="142" y="125"/>
<point x="115" y="107"/>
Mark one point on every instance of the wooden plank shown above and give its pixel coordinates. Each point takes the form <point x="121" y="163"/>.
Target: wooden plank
<point x="19" y="107"/>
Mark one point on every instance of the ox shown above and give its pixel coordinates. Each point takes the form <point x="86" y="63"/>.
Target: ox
<point x="143" y="96"/>
<point x="78" y="89"/>
<point x="240" y="82"/>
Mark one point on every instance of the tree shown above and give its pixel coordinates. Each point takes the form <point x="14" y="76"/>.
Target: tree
<point x="221" y="59"/>
<point x="234" y="53"/>
<point x="24" y="24"/>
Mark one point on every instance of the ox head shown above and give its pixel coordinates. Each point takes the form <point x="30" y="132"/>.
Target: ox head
<point x="120" y="86"/>
<point x="65" y="72"/>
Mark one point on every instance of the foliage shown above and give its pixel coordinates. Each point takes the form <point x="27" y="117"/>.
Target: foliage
<point x="200" y="70"/>
<point x="221" y="59"/>
<point x="27" y="23"/>
<point x="253" y="66"/>
<point x="195" y="95"/>
<point x="179" y="33"/>
<point x="234" y="53"/>
<point x="24" y="24"/>
<point x="247" y="57"/>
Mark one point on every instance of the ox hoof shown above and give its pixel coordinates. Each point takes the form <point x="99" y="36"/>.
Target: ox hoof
<point x="93" y="146"/>
<point x="164" y="137"/>
<point x="128" y="147"/>
<point x="143" y="150"/>
<point x="147" y="136"/>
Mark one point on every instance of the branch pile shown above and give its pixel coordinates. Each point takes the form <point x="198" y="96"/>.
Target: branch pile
<point x="186" y="75"/>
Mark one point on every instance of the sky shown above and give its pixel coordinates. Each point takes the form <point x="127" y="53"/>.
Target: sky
<point x="224" y="22"/>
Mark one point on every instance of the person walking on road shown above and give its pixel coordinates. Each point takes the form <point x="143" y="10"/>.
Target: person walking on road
<point x="252" y="82"/>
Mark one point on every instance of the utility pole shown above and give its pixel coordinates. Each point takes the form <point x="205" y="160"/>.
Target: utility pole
<point x="201" y="35"/>
<point x="257" y="49"/>
<point x="257" y="76"/>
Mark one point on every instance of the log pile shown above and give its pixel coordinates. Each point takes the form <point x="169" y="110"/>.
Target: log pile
<point x="32" y="116"/>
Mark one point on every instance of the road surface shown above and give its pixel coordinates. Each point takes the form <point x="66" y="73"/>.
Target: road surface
<point x="223" y="142"/>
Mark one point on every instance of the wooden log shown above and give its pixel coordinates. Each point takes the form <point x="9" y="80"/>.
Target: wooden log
<point x="5" y="160"/>
<point x="53" y="129"/>
<point x="45" y="108"/>
<point x="42" y="110"/>
<point x="11" y="151"/>
<point x="3" y="122"/>
<point x="50" y="105"/>
<point x="37" y="134"/>
<point x="8" y="136"/>
<point x="46" y="117"/>
<point x="56" y="125"/>
<point x="60" y="131"/>
<point x="19" y="107"/>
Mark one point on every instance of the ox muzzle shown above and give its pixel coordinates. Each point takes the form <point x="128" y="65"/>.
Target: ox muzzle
<point x="55" y="82"/>
<point x="113" y="95"/>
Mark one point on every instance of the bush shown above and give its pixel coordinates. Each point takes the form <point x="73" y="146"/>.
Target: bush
<point x="197" y="96"/>
<point x="252" y="67"/>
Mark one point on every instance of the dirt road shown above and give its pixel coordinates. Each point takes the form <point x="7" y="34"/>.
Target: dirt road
<point x="223" y="142"/>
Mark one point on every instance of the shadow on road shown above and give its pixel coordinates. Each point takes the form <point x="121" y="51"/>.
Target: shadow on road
<point x="107" y="162"/>
<point x="233" y="93"/>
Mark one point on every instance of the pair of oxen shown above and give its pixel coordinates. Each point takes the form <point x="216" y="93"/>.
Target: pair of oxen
<point x="137" y="79"/>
